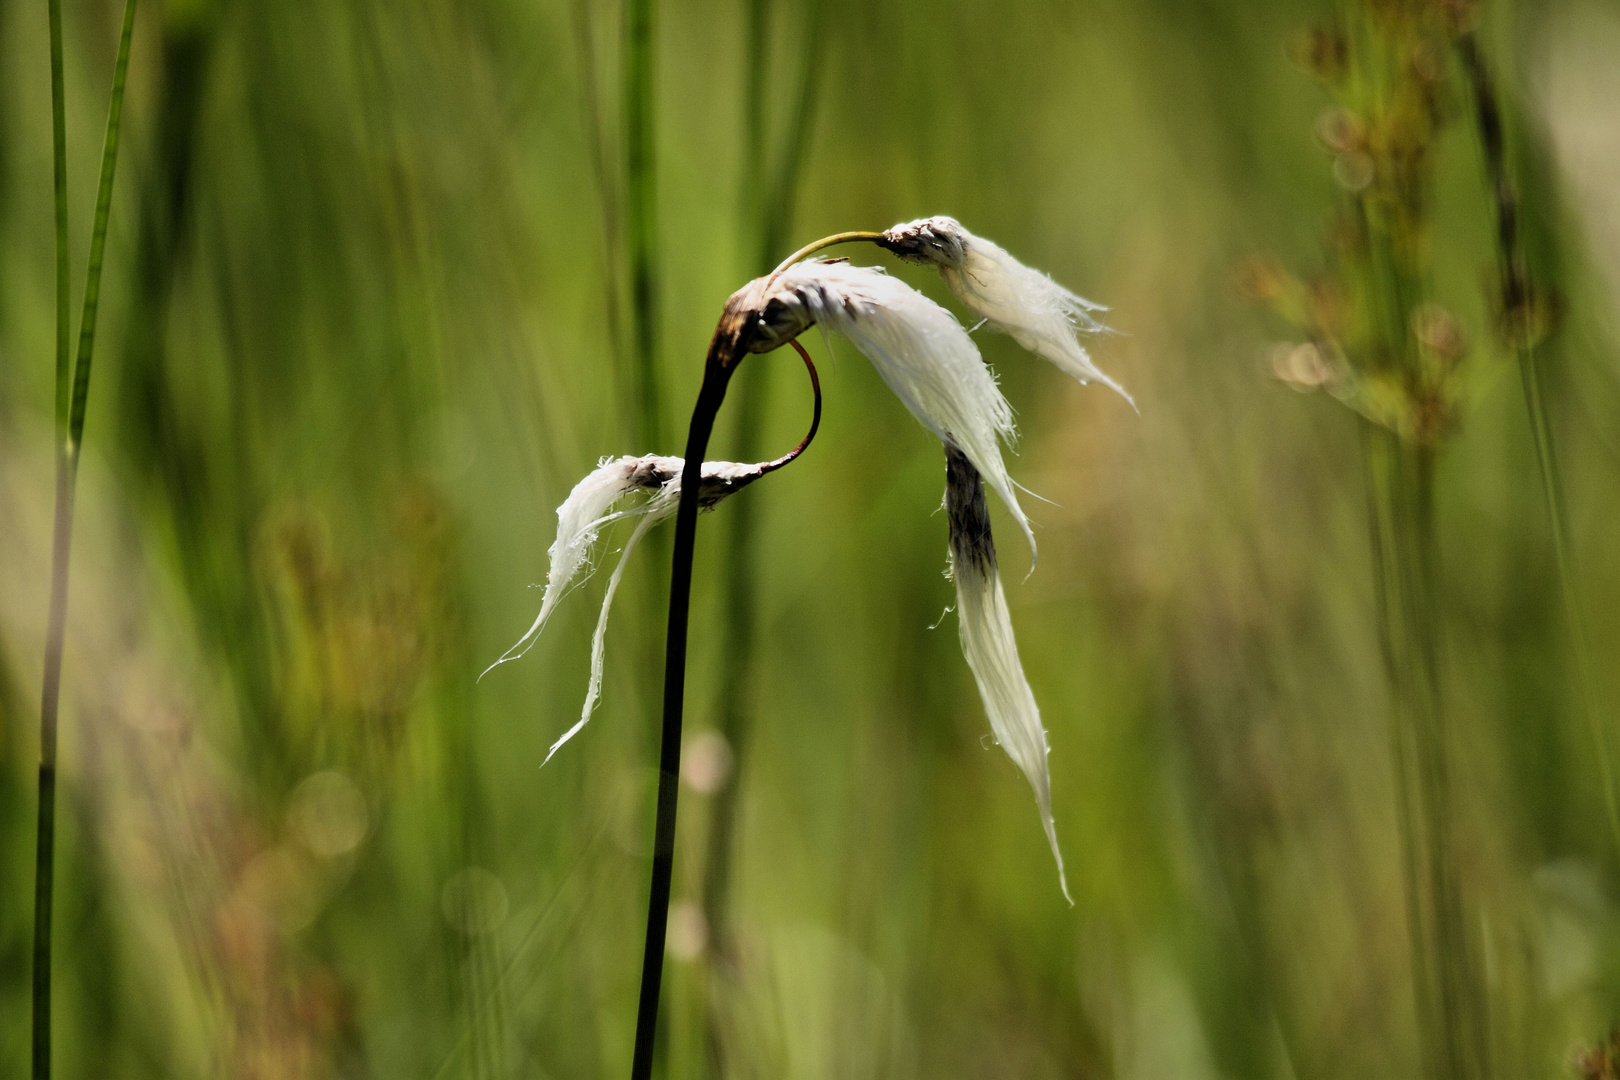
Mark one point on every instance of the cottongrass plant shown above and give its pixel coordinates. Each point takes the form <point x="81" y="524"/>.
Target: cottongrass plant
<point x="926" y="357"/>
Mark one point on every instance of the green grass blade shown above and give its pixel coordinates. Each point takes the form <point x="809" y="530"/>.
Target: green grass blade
<point x="59" y="198"/>
<point x="641" y="176"/>
<point x="98" y="237"/>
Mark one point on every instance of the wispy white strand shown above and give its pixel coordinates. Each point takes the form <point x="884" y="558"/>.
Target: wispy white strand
<point x="580" y="518"/>
<point x="924" y="355"/>
<point x="599" y="639"/>
<point x="588" y="509"/>
<point x="992" y="655"/>
<point x="1021" y="302"/>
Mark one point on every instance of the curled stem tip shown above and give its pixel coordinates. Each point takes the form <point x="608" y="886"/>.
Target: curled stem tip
<point x="815" y="418"/>
<point x="825" y="242"/>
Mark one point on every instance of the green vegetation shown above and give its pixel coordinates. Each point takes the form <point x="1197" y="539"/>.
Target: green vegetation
<point x="1322" y="638"/>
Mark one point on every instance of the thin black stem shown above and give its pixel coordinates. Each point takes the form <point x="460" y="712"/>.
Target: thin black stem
<point x="713" y="392"/>
<point x="723" y="358"/>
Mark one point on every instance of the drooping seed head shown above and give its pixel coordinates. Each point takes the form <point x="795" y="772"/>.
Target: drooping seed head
<point x="921" y="351"/>
<point x="1017" y="300"/>
<point x="936" y="241"/>
<point x="986" y="633"/>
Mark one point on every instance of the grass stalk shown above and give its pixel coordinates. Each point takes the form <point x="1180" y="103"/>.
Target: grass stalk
<point x="45" y="841"/>
<point x="71" y="399"/>
<point x="605" y="167"/>
<point x="769" y="197"/>
<point x="1378" y="450"/>
<point x="1448" y="996"/>
<point x="1517" y="298"/>
<point x="641" y="218"/>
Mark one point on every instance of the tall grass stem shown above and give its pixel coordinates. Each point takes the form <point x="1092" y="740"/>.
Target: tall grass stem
<point x="1517" y="293"/>
<point x="769" y="196"/>
<point x="45" y="841"/>
<point x="70" y="407"/>
<point x="641" y="182"/>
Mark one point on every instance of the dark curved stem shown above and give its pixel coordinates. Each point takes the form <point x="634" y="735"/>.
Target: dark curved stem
<point x="716" y="375"/>
<point x="815" y="418"/>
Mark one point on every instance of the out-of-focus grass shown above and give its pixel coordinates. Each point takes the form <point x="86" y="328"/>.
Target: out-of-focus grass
<point x="357" y="350"/>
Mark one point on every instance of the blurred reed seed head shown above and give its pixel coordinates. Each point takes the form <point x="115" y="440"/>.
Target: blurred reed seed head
<point x="1374" y="339"/>
<point x="1600" y="1062"/>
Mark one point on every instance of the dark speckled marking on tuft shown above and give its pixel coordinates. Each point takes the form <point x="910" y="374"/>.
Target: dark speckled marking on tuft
<point x="969" y="514"/>
<point x="932" y="241"/>
<point x="650" y="476"/>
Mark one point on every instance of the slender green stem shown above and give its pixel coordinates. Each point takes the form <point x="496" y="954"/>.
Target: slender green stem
<point x="70" y="406"/>
<point x="604" y="164"/>
<point x="1448" y="995"/>
<point x="641" y="156"/>
<point x="825" y="242"/>
<point x="1516" y="295"/>
<point x="1461" y="995"/>
<point x="1378" y="450"/>
<point x="64" y="292"/>
<point x="45" y="840"/>
<point x="770" y="196"/>
<point x="98" y="237"/>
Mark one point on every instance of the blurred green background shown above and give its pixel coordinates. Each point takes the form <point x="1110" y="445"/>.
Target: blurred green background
<point x="372" y="309"/>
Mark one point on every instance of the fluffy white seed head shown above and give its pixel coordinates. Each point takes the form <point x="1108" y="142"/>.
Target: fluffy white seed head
<point x="1027" y="305"/>
<point x="589" y="508"/>
<point x="922" y="353"/>
<point x="988" y="643"/>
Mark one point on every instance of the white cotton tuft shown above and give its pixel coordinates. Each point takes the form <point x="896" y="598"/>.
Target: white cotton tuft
<point x="588" y="509"/>
<point x="582" y="516"/>
<point x="989" y="646"/>
<point x="1021" y="302"/>
<point x="923" y="354"/>
<point x="599" y="639"/>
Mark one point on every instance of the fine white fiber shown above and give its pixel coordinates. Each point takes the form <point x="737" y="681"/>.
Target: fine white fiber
<point x="988" y="644"/>
<point x="581" y="518"/>
<point x="924" y="355"/>
<point x="588" y="509"/>
<point x="599" y="639"/>
<point x="1021" y="302"/>
<point x="992" y="655"/>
